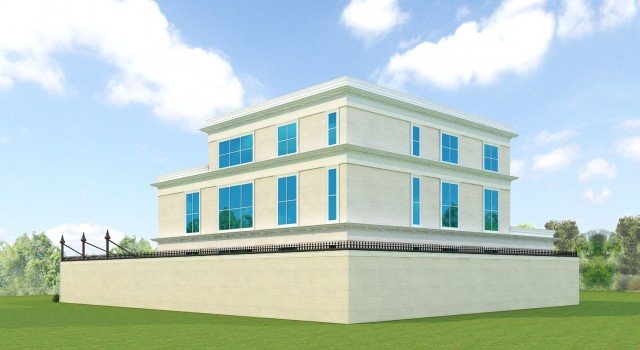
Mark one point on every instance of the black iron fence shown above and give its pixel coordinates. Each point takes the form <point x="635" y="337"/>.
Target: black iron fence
<point x="307" y="247"/>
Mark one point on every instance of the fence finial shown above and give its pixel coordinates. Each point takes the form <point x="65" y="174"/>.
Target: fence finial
<point x="62" y="239"/>
<point x="107" y="238"/>
<point x="107" y="235"/>
<point x="83" y="239"/>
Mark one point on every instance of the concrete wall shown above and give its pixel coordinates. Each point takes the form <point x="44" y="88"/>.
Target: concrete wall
<point x="470" y="152"/>
<point x="377" y="131"/>
<point x="171" y="215"/>
<point x="393" y="286"/>
<point x="312" y="199"/>
<point x="265" y="210"/>
<point x="340" y="286"/>
<point x="299" y="286"/>
<point x="313" y="132"/>
<point x="378" y="196"/>
<point x="265" y="145"/>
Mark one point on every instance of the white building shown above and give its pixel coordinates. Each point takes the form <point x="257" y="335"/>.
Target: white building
<point x="348" y="162"/>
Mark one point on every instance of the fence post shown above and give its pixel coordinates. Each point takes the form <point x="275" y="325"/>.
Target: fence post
<point x="83" y="239"/>
<point x="62" y="248"/>
<point x="107" y="238"/>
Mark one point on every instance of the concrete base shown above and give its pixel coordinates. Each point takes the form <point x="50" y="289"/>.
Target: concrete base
<point x="331" y="286"/>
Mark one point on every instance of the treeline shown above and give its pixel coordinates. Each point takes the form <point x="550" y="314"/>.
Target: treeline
<point x="608" y="260"/>
<point x="31" y="265"/>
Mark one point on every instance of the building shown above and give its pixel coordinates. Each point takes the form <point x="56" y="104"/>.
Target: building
<point x="348" y="161"/>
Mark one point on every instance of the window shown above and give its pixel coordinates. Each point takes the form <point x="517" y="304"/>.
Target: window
<point x="449" y="148"/>
<point x="287" y="200"/>
<point x="235" y="207"/>
<point x="332" y="207"/>
<point x="490" y="158"/>
<point x="415" y="201"/>
<point x="287" y="139"/>
<point x="332" y="128"/>
<point x="235" y="151"/>
<point x="193" y="212"/>
<point x="449" y="205"/>
<point x="491" y="210"/>
<point x="415" y="141"/>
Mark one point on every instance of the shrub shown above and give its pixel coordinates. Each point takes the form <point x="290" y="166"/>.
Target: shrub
<point x="634" y="283"/>
<point x="56" y="298"/>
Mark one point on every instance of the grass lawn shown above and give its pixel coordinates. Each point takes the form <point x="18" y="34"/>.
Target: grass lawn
<point x="603" y="320"/>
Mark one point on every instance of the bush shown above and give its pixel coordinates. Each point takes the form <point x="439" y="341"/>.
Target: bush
<point x="634" y="283"/>
<point x="56" y="298"/>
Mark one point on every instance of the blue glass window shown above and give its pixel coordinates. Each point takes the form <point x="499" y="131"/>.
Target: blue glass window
<point x="193" y="212"/>
<point x="287" y="139"/>
<point x="415" y="201"/>
<point x="235" y="207"/>
<point x="415" y="141"/>
<point x="449" y="148"/>
<point x="449" y="205"/>
<point x="235" y="151"/>
<point x="333" y="194"/>
<point x="332" y="128"/>
<point x="490" y="158"/>
<point x="490" y="210"/>
<point x="287" y="200"/>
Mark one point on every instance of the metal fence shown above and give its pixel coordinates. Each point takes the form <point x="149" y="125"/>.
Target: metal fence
<point x="307" y="247"/>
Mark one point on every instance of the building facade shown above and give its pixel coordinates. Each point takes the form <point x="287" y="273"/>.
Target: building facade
<point x="345" y="160"/>
<point x="344" y="202"/>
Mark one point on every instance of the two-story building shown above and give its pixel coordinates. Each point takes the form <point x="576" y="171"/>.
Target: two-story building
<point x="410" y="199"/>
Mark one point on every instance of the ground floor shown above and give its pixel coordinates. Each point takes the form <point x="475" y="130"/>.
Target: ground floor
<point x="602" y="320"/>
<point x="343" y="285"/>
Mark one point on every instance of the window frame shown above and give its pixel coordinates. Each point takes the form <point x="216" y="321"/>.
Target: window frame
<point x="297" y="223"/>
<point x="253" y="148"/>
<point x="442" y="227"/>
<point x="297" y="137"/>
<point x="337" y="112"/>
<point x="442" y="133"/>
<point x="419" y="155"/>
<point x="419" y="224"/>
<point x="497" y="190"/>
<point x="337" y="219"/>
<point x="253" y="197"/>
<point x="484" y="156"/>
<point x="185" y="212"/>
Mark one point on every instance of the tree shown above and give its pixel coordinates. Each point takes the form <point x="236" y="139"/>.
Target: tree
<point x="133" y="245"/>
<point x="628" y="232"/>
<point x="567" y="233"/>
<point x="597" y="262"/>
<point x="30" y="266"/>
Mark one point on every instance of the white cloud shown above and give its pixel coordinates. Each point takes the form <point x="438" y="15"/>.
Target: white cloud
<point x="462" y="13"/>
<point x="512" y="40"/>
<point x="576" y="19"/>
<point x="616" y="12"/>
<point x="597" y="168"/>
<point x="629" y="147"/>
<point x="595" y="198"/>
<point x="545" y="137"/>
<point x="518" y="167"/>
<point x="154" y="65"/>
<point x="629" y="124"/>
<point x="2" y="237"/>
<point x="370" y="19"/>
<point x="557" y="159"/>
<point x="73" y="232"/>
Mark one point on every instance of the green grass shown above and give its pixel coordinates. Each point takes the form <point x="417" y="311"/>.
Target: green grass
<point x="603" y="320"/>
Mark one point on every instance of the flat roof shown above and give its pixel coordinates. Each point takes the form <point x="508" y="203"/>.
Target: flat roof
<point x="362" y="88"/>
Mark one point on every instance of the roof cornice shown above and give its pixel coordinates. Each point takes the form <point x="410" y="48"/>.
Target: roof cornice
<point x="357" y="87"/>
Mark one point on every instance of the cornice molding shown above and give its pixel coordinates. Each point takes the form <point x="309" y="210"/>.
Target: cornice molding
<point x="175" y="179"/>
<point x="357" y="87"/>
<point x="347" y="226"/>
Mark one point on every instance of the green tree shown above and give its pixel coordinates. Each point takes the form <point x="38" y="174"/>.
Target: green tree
<point x="133" y="245"/>
<point x="567" y="233"/>
<point x="597" y="262"/>
<point x="30" y="266"/>
<point x="628" y="232"/>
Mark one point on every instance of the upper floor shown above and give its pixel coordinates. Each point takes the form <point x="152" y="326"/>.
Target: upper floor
<point x="364" y="116"/>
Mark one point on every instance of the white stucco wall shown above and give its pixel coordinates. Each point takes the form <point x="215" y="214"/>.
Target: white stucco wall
<point x="334" y="286"/>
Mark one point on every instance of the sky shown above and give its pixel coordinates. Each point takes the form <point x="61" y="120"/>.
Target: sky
<point x="98" y="98"/>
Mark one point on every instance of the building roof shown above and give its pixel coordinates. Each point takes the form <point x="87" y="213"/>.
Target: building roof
<point x="358" y="87"/>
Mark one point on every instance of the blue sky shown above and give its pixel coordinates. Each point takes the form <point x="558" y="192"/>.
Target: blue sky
<point x="98" y="98"/>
